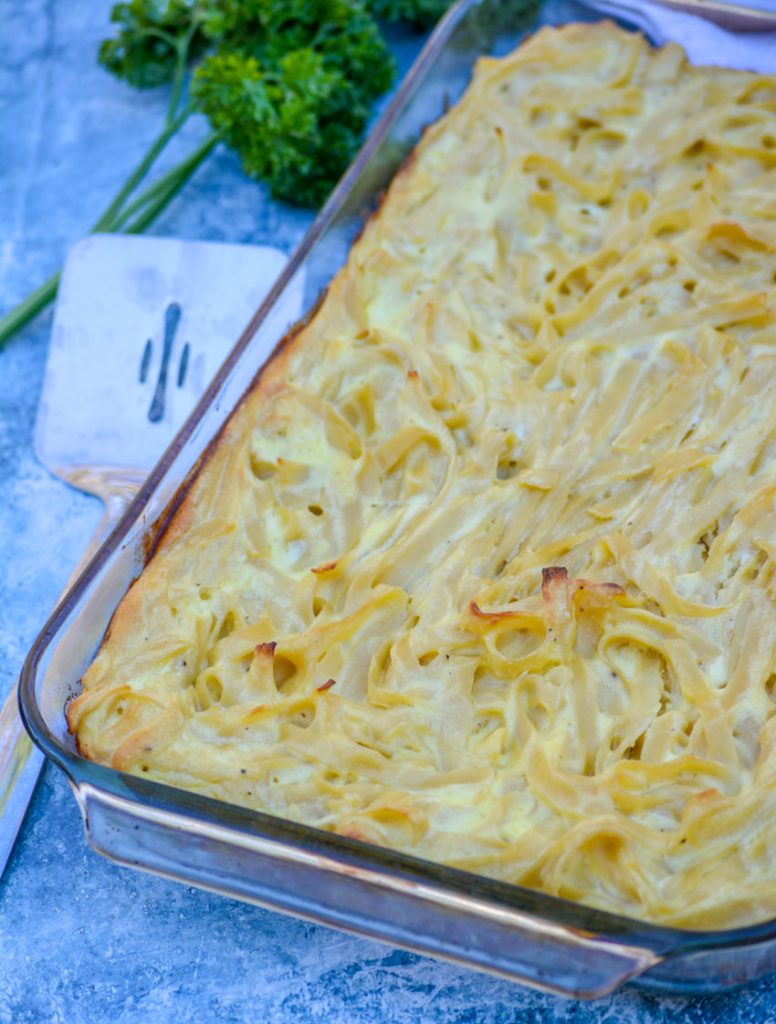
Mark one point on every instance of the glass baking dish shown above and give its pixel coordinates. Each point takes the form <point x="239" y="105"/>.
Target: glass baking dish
<point x="513" y="932"/>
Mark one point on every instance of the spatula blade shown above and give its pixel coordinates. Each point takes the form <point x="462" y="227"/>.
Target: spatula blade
<point x="141" y="326"/>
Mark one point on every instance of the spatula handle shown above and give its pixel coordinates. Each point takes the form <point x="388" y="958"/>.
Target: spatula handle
<point x="20" y="759"/>
<point x="736" y="16"/>
<point x="733" y="15"/>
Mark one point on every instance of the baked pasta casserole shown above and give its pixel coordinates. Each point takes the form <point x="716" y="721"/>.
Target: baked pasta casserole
<point x="482" y="567"/>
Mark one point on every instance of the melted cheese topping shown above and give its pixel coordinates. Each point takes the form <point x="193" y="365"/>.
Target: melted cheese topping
<point x="483" y="568"/>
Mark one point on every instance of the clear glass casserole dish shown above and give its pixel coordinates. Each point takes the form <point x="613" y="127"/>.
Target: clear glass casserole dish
<point x="517" y="933"/>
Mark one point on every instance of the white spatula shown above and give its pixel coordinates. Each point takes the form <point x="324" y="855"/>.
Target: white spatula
<point x="141" y="326"/>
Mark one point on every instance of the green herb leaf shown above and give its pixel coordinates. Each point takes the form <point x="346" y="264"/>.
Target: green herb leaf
<point x="421" y="13"/>
<point x="289" y="88"/>
<point x="144" y="52"/>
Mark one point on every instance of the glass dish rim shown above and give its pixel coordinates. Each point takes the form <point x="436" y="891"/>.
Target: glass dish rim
<point x="667" y="941"/>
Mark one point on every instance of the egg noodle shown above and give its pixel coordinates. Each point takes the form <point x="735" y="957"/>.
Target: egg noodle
<point x="482" y="569"/>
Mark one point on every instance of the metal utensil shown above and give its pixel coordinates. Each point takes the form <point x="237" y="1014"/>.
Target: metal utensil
<point x="741" y="51"/>
<point x="141" y="326"/>
<point x="735" y="16"/>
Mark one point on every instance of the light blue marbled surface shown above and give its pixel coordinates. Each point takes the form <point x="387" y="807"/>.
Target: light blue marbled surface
<point x="80" y="939"/>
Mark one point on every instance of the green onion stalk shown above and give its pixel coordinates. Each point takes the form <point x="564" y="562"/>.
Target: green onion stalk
<point x="131" y="211"/>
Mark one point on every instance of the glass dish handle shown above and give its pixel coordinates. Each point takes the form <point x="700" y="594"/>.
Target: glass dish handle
<point x="320" y="887"/>
<point x="20" y="760"/>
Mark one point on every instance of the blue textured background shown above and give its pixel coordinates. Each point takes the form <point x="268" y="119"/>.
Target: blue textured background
<point x="80" y="939"/>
